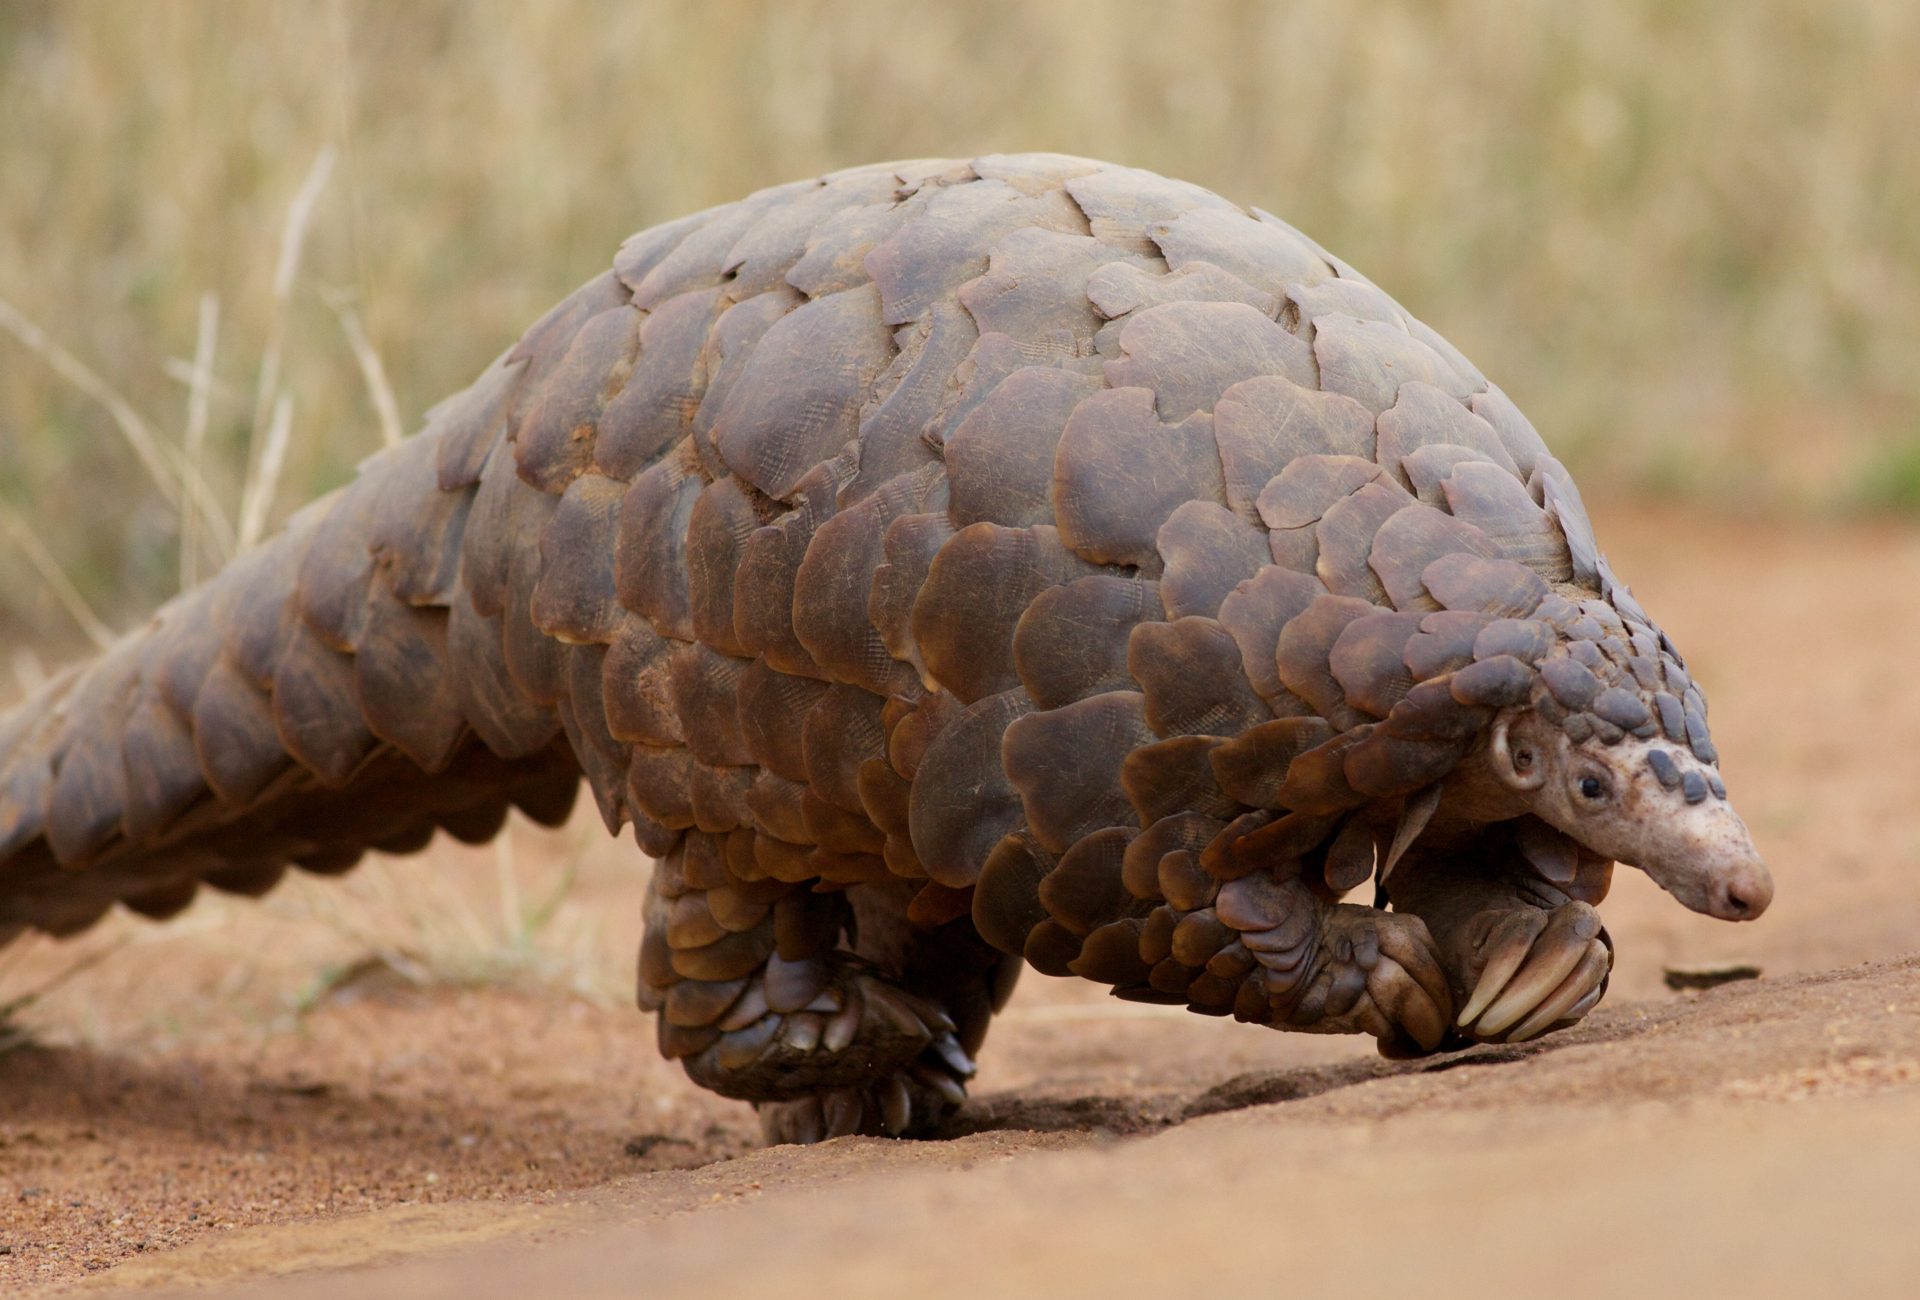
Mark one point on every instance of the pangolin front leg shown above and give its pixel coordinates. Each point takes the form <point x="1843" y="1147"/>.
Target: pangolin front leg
<point x="1329" y="967"/>
<point x="764" y="996"/>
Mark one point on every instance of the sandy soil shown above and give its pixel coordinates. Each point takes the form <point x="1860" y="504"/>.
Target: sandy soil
<point x="203" y="1109"/>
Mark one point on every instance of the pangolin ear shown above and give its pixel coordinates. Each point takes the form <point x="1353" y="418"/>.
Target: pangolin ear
<point x="1517" y="760"/>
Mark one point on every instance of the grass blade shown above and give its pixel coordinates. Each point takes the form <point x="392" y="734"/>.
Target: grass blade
<point x="372" y="372"/>
<point x="193" y="444"/>
<point x="257" y="500"/>
<point x="293" y="241"/>
<point x="56" y="578"/>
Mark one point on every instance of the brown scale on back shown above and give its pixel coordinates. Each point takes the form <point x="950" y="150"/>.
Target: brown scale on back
<point x="936" y="565"/>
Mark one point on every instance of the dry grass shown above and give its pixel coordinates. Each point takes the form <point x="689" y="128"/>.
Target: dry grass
<point x="527" y="924"/>
<point x="1685" y="236"/>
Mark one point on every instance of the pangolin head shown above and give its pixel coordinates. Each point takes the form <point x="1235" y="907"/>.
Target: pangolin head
<point x="1610" y="747"/>
<point x="1548" y="701"/>
<point x="1648" y="802"/>
<point x="1569" y="711"/>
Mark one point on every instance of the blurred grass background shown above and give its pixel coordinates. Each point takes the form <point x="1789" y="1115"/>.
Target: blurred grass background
<point x="1684" y="236"/>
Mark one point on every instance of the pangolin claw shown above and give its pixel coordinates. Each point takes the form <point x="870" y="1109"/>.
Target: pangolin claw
<point x="1541" y="966"/>
<point x="1582" y="984"/>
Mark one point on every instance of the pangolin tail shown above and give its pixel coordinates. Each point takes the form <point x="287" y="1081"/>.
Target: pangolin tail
<point x="348" y="685"/>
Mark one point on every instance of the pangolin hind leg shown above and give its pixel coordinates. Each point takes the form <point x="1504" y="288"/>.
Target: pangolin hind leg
<point x="828" y="1010"/>
<point x="1523" y="955"/>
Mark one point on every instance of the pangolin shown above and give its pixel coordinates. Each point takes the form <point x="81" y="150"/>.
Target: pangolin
<point x="942" y="567"/>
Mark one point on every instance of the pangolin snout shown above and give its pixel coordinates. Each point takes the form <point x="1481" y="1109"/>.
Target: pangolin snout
<point x="1740" y="891"/>
<point x="1703" y="855"/>
<point x="1727" y="886"/>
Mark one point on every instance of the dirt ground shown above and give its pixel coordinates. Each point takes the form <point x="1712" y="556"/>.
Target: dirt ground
<point x="243" y="1101"/>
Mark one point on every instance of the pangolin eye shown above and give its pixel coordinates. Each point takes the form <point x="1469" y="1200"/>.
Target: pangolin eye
<point x="1591" y="787"/>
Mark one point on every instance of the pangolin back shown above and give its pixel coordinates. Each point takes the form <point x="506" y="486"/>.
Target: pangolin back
<point x="1026" y="526"/>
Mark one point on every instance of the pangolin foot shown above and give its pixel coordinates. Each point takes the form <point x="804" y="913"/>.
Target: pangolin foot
<point x="909" y="1102"/>
<point x="1532" y="970"/>
<point x="865" y="1056"/>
